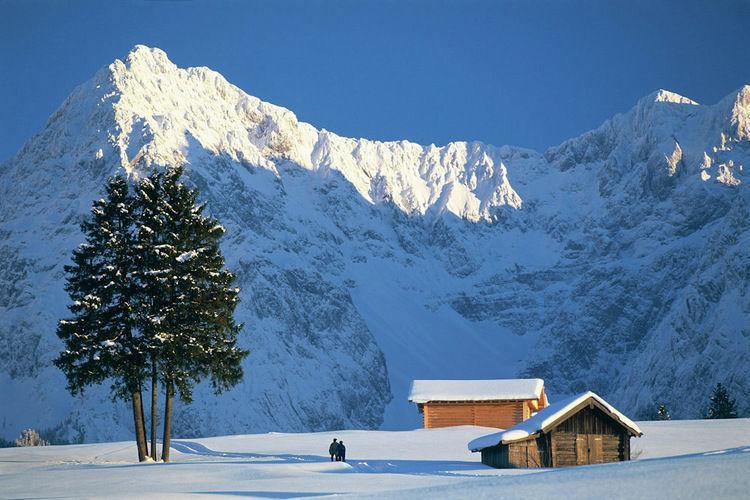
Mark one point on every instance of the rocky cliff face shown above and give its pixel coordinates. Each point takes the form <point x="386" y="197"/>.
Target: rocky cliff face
<point x="616" y="261"/>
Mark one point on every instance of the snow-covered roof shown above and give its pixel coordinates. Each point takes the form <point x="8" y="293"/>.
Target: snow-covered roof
<point x="548" y="417"/>
<point x="424" y="391"/>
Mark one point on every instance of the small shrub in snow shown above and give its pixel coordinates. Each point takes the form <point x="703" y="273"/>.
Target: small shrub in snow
<point x="30" y="437"/>
<point x="662" y="413"/>
<point x="657" y="411"/>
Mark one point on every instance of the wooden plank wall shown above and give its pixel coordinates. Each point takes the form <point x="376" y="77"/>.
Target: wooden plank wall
<point x="532" y="453"/>
<point x="590" y="421"/>
<point x="496" y="456"/>
<point x="579" y="449"/>
<point x="564" y="449"/>
<point x="501" y="415"/>
<point x="589" y="437"/>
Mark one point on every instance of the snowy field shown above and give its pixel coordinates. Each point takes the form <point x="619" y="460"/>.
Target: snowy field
<point x="678" y="459"/>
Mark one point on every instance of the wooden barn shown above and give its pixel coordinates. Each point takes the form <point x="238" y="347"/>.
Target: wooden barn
<point x="489" y="403"/>
<point x="581" y="430"/>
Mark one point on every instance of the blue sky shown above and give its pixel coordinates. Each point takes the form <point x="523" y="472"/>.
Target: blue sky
<point x="504" y="72"/>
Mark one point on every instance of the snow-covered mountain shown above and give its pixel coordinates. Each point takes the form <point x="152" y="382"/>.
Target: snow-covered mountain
<point x="617" y="261"/>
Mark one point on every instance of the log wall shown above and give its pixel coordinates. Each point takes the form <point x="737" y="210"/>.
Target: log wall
<point x="501" y="415"/>
<point x="532" y="453"/>
<point x="589" y="437"/>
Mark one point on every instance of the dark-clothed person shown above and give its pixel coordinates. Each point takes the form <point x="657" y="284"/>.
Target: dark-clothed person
<point x="333" y="449"/>
<point x="341" y="452"/>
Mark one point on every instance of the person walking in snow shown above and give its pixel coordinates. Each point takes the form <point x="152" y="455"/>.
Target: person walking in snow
<point x="333" y="449"/>
<point x="341" y="452"/>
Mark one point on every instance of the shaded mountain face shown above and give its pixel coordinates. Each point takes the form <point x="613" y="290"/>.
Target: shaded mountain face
<point x="617" y="261"/>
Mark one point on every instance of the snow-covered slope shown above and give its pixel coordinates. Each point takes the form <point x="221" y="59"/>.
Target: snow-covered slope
<point x="615" y="262"/>
<point x="676" y="459"/>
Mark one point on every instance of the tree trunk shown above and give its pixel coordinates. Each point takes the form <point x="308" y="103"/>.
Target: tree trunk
<point x="153" y="409"/>
<point x="140" y="428"/>
<point x="167" y="422"/>
<point x="143" y="419"/>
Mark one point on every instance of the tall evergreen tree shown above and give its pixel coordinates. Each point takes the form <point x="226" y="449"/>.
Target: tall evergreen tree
<point x="188" y="313"/>
<point x="202" y="299"/>
<point x="154" y="263"/>
<point x="101" y="341"/>
<point x="721" y="405"/>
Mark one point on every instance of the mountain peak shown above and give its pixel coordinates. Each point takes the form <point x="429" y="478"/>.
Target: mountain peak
<point x="743" y="96"/>
<point x="662" y="95"/>
<point x="152" y="59"/>
<point x="140" y="51"/>
<point x="740" y="113"/>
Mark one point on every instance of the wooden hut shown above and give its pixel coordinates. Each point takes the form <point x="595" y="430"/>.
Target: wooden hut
<point x="581" y="430"/>
<point x="489" y="403"/>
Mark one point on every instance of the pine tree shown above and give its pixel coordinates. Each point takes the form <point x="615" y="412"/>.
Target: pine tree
<point x="153" y="267"/>
<point x="188" y="318"/>
<point x="204" y="300"/>
<point x="662" y="413"/>
<point x="100" y="339"/>
<point x="721" y="406"/>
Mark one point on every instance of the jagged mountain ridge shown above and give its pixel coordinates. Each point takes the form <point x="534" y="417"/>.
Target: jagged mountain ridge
<point x="613" y="262"/>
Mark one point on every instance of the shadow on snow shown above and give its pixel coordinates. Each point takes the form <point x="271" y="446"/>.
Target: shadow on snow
<point x="263" y="494"/>
<point x="428" y="467"/>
